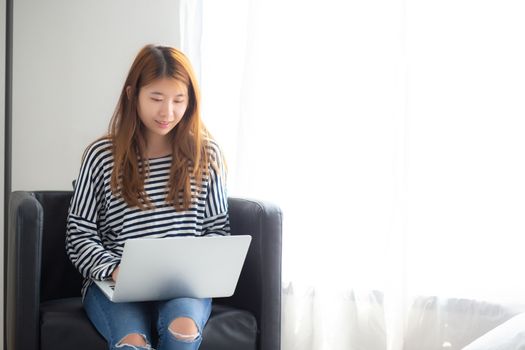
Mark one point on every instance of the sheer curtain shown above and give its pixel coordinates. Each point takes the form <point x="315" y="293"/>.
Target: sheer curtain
<point x="390" y="132"/>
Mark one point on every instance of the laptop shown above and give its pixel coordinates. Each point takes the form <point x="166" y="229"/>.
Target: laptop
<point x="167" y="268"/>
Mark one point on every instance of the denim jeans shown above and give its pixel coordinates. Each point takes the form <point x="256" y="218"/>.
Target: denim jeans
<point x="117" y="320"/>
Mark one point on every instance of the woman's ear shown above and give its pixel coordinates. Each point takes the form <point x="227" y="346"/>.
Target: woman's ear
<point x="128" y="92"/>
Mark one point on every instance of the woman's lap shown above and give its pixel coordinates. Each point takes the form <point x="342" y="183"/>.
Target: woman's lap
<point x="117" y="320"/>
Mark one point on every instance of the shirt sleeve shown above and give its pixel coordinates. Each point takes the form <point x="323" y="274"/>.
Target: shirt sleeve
<point x="83" y="242"/>
<point x="216" y="218"/>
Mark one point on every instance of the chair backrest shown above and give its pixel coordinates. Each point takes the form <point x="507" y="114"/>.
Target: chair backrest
<point x="59" y="278"/>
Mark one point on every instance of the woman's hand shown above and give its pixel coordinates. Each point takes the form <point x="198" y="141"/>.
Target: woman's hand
<point x="114" y="274"/>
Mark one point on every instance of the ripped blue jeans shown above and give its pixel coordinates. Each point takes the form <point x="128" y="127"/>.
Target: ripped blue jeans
<point x="117" y="320"/>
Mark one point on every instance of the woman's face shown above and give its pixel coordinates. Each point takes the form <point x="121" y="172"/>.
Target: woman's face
<point x="161" y="106"/>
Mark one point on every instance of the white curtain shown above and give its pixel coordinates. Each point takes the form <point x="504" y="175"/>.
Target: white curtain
<point x="390" y="132"/>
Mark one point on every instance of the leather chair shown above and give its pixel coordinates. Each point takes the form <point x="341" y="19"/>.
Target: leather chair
<point x="44" y="308"/>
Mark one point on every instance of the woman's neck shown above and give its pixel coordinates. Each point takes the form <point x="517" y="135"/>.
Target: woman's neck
<point x="157" y="147"/>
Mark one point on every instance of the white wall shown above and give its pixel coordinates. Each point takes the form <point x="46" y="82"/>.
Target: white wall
<point x="70" y="61"/>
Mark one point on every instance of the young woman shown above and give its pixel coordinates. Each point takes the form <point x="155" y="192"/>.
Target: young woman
<point x="157" y="173"/>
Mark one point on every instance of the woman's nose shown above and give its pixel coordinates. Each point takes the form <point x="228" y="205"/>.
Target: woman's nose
<point x="167" y="110"/>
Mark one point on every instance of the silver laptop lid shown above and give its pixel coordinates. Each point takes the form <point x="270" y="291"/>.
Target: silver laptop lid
<point x="166" y="268"/>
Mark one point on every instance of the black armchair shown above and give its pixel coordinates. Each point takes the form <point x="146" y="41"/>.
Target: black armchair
<point x="44" y="309"/>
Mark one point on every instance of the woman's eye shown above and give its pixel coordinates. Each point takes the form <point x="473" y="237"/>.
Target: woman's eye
<point x="156" y="99"/>
<point x="178" y="101"/>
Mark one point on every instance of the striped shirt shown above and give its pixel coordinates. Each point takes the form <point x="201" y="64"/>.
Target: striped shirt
<point x="99" y="223"/>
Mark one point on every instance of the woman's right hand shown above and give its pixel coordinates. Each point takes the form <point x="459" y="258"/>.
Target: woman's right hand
<point x="114" y="274"/>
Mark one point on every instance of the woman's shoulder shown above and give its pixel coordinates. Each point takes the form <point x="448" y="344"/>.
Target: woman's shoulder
<point x="213" y="148"/>
<point x="98" y="149"/>
<point x="216" y="159"/>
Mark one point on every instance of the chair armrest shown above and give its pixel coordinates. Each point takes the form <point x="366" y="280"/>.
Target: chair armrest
<point x="23" y="271"/>
<point x="259" y="286"/>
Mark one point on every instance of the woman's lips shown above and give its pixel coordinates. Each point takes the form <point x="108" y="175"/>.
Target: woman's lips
<point x="162" y="124"/>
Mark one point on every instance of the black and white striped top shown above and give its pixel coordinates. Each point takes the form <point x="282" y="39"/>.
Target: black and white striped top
<point x="99" y="223"/>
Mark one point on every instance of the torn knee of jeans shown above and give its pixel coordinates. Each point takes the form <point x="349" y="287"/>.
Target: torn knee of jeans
<point x="185" y="337"/>
<point x="184" y="334"/>
<point x="138" y="344"/>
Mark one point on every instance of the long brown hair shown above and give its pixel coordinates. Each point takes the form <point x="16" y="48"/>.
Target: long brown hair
<point x="189" y="138"/>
